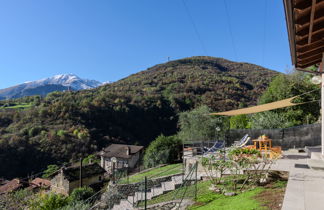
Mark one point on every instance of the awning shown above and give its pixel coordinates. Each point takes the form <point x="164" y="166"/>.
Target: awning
<point x="305" y="25"/>
<point x="260" y="108"/>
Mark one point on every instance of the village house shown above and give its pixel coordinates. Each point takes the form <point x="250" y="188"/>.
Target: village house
<point x="39" y="183"/>
<point x="67" y="179"/>
<point x="12" y="186"/>
<point x="120" y="156"/>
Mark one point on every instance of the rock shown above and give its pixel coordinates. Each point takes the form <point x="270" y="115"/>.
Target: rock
<point x="229" y="193"/>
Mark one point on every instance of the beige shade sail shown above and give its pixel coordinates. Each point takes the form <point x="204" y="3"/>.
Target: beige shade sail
<point x="260" y="108"/>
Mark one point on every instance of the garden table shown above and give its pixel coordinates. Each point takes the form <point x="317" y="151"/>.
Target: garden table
<point x="262" y="144"/>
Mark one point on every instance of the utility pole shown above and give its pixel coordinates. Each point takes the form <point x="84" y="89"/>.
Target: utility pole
<point x="321" y="70"/>
<point x="80" y="172"/>
<point x="145" y="193"/>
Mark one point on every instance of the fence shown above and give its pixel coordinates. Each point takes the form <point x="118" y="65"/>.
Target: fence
<point x="299" y="136"/>
<point x="151" y="192"/>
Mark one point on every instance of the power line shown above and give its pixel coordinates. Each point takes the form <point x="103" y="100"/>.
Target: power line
<point x="195" y="27"/>
<point x="264" y="30"/>
<point x="230" y="29"/>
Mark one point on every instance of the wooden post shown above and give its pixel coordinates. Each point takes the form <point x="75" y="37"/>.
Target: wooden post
<point x="145" y="193"/>
<point x="80" y="172"/>
<point x="196" y="180"/>
<point x="322" y="101"/>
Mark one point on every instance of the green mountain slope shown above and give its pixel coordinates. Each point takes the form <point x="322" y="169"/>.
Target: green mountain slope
<point x="63" y="126"/>
<point x="217" y="82"/>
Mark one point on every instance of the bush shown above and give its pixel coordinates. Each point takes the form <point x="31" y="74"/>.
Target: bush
<point x="50" y="171"/>
<point x="79" y="205"/>
<point x="48" y="202"/>
<point x="61" y="133"/>
<point x="247" y="151"/>
<point x="91" y="159"/>
<point x="81" y="194"/>
<point x="164" y="149"/>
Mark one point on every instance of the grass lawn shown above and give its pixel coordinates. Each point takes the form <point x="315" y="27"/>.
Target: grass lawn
<point x="260" y="198"/>
<point x="17" y="106"/>
<point x="202" y="187"/>
<point x="243" y="201"/>
<point x="154" y="173"/>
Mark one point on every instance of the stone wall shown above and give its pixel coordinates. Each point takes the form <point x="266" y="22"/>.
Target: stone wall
<point x="299" y="136"/>
<point x="121" y="191"/>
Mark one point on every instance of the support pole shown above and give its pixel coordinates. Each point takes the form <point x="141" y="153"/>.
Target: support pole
<point x="196" y="180"/>
<point x="322" y="102"/>
<point x="145" y="193"/>
<point x="80" y="172"/>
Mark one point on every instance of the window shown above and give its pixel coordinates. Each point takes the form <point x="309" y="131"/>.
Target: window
<point x="100" y="178"/>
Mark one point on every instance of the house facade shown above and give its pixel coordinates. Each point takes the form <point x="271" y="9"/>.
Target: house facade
<point x="120" y="156"/>
<point x="65" y="181"/>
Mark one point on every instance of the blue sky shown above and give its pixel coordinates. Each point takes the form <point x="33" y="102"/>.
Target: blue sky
<point x="107" y="40"/>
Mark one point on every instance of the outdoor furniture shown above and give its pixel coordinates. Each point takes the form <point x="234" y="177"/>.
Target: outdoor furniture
<point x="242" y="142"/>
<point x="263" y="144"/>
<point x="217" y="146"/>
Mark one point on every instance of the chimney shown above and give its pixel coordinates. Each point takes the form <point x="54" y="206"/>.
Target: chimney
<point x="127" y="150"/>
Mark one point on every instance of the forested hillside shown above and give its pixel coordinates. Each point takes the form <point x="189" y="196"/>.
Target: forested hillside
<point x="62" y="126"/>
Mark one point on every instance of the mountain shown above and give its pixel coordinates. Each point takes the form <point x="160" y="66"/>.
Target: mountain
<point x="63" y="126"/>
<point x="219" y="83"/>
<point x="44" y="86"/>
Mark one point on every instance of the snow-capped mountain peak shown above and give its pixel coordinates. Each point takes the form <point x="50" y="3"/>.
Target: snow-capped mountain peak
<point x="67" y="80"/>
<point x="42" y="87"/>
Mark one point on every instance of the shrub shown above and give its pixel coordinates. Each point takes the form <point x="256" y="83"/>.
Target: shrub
<point x="49" y="201"/>
<point x="90" y="159"/>
<point x="50" y="171"/>
<point x="164" y="149"/>
<point x="61" y="133"/>
<point x="79" y="205"/>
<point x="81" y="194"/>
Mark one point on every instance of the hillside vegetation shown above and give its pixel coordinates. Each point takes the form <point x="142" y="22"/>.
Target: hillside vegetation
<point x="63" y="126"/>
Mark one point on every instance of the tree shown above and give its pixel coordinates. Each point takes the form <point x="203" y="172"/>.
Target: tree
<point x="199" y="125"/>
<point x="285" y="86"/>
<point x="164" y="149"/>
<point x="240" y="122"/>
<point x="269" y="120"/>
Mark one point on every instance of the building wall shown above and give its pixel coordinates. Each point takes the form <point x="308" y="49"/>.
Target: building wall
<point x="61" y="185"/>
<point x="107" y="164"/>
<point x="85" y="182"/>
<point x="133" y="161"/>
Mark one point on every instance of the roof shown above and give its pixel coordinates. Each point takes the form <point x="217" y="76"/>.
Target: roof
<point x="305" y="26"/>
<point x="11" y="186"/>
<point x="39" y="182"/>
<point x="120" y="151"/>
<point x="73" y="173"/>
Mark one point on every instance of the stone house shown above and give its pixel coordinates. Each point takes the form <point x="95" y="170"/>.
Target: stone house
<point x="120" y="156"/>
<point x="12" y="186"/>
<point x="39" y="183"/>
<point x="67" y="179"/>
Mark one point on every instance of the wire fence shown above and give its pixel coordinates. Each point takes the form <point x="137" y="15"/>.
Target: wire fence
<point x="164" y="188"/>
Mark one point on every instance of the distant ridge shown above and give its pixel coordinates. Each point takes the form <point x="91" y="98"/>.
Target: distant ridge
<point x="42" y="87"/>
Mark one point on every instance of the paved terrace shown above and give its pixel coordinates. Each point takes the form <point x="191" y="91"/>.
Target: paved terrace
<point x="305" y="188"/>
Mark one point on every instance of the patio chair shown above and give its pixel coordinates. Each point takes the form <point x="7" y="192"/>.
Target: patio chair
<point x="245" y="142"/>
<point x="242" y="142"/>
<point x="217" y="146"/>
